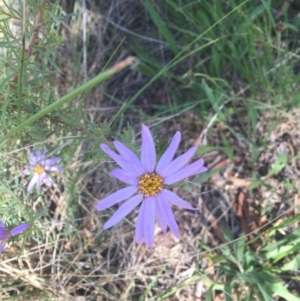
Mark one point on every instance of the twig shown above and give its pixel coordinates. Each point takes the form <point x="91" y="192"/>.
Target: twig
<point x="38" y="25"/>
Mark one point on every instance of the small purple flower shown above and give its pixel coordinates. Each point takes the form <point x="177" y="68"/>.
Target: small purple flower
<point x="5" y="234"/>
<point x="39" y="165"/>
<point x="147" y="180"/>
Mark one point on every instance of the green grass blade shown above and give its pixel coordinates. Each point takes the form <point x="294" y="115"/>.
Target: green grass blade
<point x="279" y="289"/>
<point x="161" y="26"/>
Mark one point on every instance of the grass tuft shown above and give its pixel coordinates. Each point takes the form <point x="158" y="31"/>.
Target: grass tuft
<point x="224" y="73"/>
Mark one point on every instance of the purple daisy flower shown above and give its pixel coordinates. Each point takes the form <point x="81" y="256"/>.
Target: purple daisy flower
<point x="39" y="165"/>
<point x="146" y="181"/>
<point x="5" y="234"/>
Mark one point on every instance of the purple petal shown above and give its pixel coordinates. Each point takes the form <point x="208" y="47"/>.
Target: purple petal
<point x="32" y="182"/>
<point x="32" y="158"/>
<point x="119" y="160"/>
<point x="116" y="197"/>
<point x="160" y="218"/>
<point x="42" y="155"/>
<point x="169" y="154"/>
<point x="125" y="152"/>
<point x="179" y="162"/>
<point x="56" y="168"/>
<point x="4" y="233"/>
<point x="174" y="199"/>
<point x="38" y="156"/>
<point x="130" y="156"/>
<point x="149" y="220"/>
<point x="168" y="214"/>
<point x="47" y="180"/>
<point x="19" y="229"/>
<point x="26" y="170"/>
<point x="40" y="180"/>
<point x="139" y="228"/>
<point x="2" y="247"/>
<point x="190" y="170"/>
<point x="51" y="161"/>
<point x="123" y="211"/>
<point x="1" y="224"/>
<point x="124" y="176"/>
<point x="148" y="153"/>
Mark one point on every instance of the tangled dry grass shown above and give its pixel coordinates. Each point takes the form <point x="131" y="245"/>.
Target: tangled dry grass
<point x="75" y="259"/>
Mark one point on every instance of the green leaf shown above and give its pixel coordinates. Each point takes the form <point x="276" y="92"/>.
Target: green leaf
<point x="279" y="289"/>
<point x="145" y="69"/>
<point x="265" y="292"/>
<point x="282" y="252"/>
<point x="240" y="248"/>
<point x="288" y="222"/>
<point x="207" y="149"/>
<point x="286" y="246"/>
<point x="279" y="163"/>
<point x="209" y="294"/>
<point x="228" y="254"/>
<point x="227" y="292"/>
<point x="228" y="149"/>
<point x="160" y="24"/>
<point x="296" y="99"/>
<point x="256" y="277"/>
<point x="293" y="265"/>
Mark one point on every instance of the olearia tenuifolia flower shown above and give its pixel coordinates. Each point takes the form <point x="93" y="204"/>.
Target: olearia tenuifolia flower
<point x="147" y="182"/>
<point x="38" y="166"/>
<point x="5" y="233"/>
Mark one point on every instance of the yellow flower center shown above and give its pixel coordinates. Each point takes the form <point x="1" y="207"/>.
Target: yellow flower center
<point x="39" y="169"/>
<point x="150" y="184"/>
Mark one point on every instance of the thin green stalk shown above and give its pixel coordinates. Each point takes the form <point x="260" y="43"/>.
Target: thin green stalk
<point x="20" y="78"/>
<point x="73" y="94"/>
<point x="21" y="63"/>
